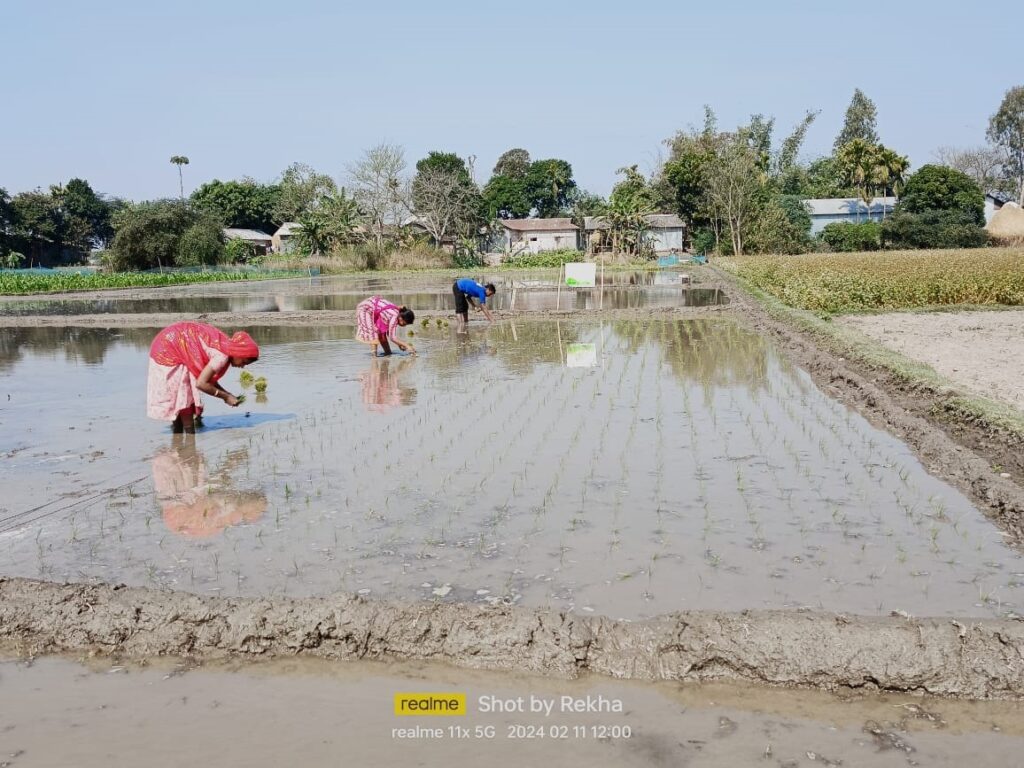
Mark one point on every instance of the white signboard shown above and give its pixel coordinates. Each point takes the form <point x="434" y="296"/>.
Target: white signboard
<point x="580" y="355"/>
<point x="581" y="274"/>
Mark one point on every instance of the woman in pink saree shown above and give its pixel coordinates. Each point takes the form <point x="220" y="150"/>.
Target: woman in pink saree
<point x="378" y="321"/>
<point x="186" y="359"/>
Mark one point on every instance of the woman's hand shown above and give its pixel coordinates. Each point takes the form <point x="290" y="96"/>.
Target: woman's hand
<point x="230" y="399"/>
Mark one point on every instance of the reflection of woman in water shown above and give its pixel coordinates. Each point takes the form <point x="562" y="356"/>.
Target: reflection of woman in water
<point x="193" y="504"/>
<point x="382" y="389"/>
<point x="186" y="359"/>
<point x="378" y="321"/>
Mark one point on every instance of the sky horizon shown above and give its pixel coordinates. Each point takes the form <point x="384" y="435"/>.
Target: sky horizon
<point x="110" y="91"/>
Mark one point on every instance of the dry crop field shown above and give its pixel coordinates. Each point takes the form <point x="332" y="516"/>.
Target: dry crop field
<point x="887" y="280"/>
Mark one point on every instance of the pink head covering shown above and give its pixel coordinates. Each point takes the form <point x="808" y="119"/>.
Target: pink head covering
<point x="241" y="345"/>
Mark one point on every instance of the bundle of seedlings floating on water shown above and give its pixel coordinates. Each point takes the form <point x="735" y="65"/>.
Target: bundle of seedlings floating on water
<point x="245" y="379"/>
<point x="260" y="384"/>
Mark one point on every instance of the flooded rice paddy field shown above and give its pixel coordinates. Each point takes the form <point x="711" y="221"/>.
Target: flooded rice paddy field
<point x="627" y="468"/>
<point x="314" y="713"/>
<point x="533" y="299"/>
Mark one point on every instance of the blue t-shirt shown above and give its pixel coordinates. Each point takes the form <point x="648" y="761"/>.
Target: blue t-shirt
<point x="472" y="288"/>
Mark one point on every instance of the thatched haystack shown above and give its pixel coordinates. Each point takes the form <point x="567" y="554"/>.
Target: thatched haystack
<point x="1007" y="225"/>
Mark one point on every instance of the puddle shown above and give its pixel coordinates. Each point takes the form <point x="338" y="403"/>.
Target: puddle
<point x="626" y="468"/>
<point x="57" y="712"/>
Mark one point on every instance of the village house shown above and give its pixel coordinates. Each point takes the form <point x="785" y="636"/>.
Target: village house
<point x="830" y="210"/>
<point x="282" y="238"/>
<point x="259" y="241"/>
<point x="666" y="232"/>
<point x="535" y="235"/>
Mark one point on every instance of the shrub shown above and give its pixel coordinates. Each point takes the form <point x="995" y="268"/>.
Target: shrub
<point x="703" y="240"/>
<point x="937" y="188"/>
<point x="933" y="229"/>
<point x="467" y="259"/>
<point x="527" y="259"/>
<point x="12" y="260"/>
<point x="149" y="235"/>
<point x="202" y="244"/>
<point x="848" y="236"/>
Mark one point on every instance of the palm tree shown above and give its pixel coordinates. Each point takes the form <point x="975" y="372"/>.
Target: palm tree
<point x="857" y="162"/>
<point x="180" y="160"/>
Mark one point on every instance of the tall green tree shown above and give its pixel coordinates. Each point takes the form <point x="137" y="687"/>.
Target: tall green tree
<point x="937" y="188"/>
<point x="549" y="184"/>
<point x="857" y="162"/>
<point x="180" y="160"/>
<point x="1006" y="130"/>
<point x="39" y="227"/>
<point x="299" y="189"/>
<point x="860" y="122"/>
<point x="507" y="197"/>
<point x="89" y="214"/>
<point x="246" y="203"/>
<point x="515" y="163"/>
<point x="6" y="223"/>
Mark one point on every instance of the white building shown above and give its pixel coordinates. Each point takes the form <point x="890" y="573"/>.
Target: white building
<point x="829" y="210"/>
<point x="257" y="239"/>
<point x="282" y="237"/>
<point x="535" y="235"/>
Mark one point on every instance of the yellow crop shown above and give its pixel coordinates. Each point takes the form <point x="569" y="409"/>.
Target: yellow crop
<point x="850" y="282"/>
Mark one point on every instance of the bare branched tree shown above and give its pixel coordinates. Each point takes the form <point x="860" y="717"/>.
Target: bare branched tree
<point x="380" y="188"/>
<point x="445" y="203"/>
<point x="733" y="186"/>
<point x="983" y="164"/>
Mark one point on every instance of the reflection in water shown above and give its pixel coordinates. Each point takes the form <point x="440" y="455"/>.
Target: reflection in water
<point x="538" y="296"/>
<point x="712" y="352"/>
<point x="196" y="504"/>
<point x="382" y="387"/>
<point x="90" y="345"/>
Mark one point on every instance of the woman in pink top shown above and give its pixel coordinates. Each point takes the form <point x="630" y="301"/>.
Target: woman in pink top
<point x="186" y="359"/>
<point x="378" y="321"/>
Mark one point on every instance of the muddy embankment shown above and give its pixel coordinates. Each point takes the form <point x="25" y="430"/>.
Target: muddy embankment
<point x="976" y="660"/>
<point x="983" y="460"/>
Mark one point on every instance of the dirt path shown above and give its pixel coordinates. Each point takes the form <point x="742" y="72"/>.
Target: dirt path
<point x="981" y="351"/>
<point x="304" y="712"/>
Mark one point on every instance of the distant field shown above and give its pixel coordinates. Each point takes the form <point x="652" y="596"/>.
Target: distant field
<point x="835" y="283"/>
<point x="15" y="283"/>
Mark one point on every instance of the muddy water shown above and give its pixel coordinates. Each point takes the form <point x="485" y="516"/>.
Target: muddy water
<point x="525" y="299"/>
<point x="56" y="712"/>
<point x="627" y="468"/>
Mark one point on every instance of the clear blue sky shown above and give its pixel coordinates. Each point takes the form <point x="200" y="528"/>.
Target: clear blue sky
<point x="108" y="90"/>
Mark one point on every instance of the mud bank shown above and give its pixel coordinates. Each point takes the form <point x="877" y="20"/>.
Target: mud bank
<point x="966" y="452"/>
<point x="970" y="659"/>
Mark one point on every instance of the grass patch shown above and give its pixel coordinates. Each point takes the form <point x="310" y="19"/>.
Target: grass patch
<point x="886" y="280"/>
<point x="15" y="283"/>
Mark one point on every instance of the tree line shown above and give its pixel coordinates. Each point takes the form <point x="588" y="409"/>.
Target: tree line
<point x="738" y="190"/>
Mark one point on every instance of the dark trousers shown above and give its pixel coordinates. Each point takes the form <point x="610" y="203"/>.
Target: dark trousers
<point x="461" y="302"/>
